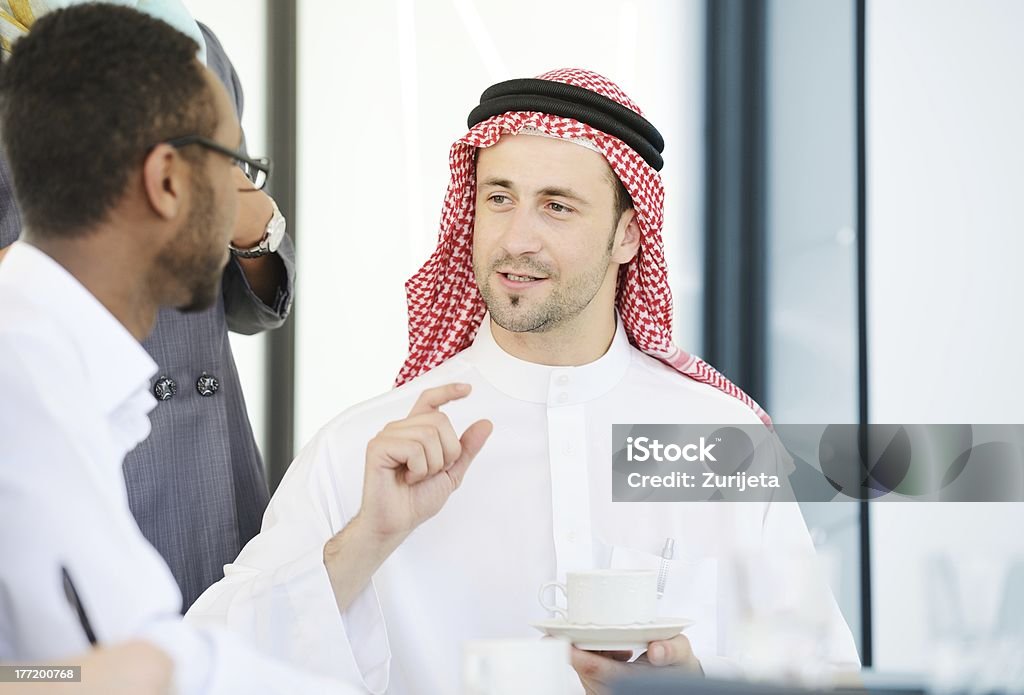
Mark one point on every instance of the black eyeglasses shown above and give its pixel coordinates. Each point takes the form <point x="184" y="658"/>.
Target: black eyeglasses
<point x="256" y="170"/>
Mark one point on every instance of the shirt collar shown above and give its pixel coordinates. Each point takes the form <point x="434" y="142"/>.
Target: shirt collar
<point x="116" y="367"/>
<point x="538" y="383"/>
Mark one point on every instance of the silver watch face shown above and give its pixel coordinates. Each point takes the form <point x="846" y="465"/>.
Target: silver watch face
<point x="275" y="232"/>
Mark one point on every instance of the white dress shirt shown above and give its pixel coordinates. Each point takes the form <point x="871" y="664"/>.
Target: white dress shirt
<point x="74" y="399"/>
<point x="535" y="504"/>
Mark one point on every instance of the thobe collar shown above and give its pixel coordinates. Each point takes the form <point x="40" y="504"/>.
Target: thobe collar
<point x="116" y="367"/>
<point x="538" y="383"/>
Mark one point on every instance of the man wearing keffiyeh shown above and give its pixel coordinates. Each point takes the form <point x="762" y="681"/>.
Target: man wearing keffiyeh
<point x="444" y="305"/>
<point x="547" y="293"/>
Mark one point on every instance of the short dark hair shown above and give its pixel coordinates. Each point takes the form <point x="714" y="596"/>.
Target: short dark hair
<point x="83" y="98"/>
<point x="623" y="201"/>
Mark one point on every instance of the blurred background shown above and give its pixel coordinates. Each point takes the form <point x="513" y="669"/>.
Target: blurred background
<point x="843" y="221"/>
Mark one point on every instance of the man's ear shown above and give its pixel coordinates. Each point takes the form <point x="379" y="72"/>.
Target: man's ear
<point x="627" y="237"/>
<point x="164" y="177"/>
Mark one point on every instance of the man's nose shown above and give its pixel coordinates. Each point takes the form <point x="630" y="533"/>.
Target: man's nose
<point x="522" y="233"/>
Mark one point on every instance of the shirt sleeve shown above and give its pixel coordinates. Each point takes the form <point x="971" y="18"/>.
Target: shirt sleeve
<point x="277" y="592"/>
<point x="214" y="662"/>
<point x="772" y="539"/>
<point x="245" y="312"/>
<point x="786" y="531"/>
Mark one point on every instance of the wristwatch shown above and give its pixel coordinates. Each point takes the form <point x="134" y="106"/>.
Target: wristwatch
<point x="271" y="240"/>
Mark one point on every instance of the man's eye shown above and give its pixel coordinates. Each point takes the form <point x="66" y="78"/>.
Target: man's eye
<point x="499" y="199"/>
<point x="559" y="208"/>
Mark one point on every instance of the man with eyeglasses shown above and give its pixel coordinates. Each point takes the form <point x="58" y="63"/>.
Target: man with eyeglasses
<point x="121" y="146"/>
<point x="196" y="486"/>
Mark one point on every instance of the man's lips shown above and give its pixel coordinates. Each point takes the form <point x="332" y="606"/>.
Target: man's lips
<point x="519" y="281"/>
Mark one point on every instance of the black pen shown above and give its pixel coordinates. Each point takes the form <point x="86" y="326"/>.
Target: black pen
<point x="76" y="605"/>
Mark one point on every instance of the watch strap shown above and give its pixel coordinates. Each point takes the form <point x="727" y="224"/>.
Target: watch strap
<point x="263" y="247"/>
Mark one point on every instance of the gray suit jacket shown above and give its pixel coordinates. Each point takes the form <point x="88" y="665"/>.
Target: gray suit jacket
<point x="196" y="486"/>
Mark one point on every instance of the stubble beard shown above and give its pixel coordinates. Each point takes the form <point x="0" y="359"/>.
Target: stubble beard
<point x="198" y="268"/>
<point x="517" y="314"/>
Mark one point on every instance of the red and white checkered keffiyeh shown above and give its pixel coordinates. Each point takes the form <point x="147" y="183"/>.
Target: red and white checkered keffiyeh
<point x="445" y="305"/>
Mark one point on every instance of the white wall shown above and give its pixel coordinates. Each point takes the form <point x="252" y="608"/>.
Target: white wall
<point x="384" y="90"/>
<point x="945" y="243"/>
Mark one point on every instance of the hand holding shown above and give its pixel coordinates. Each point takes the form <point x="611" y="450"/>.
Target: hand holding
<point x="597" y="670"/>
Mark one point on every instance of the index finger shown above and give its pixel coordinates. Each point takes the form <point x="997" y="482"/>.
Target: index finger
<point x="432" y="399"/>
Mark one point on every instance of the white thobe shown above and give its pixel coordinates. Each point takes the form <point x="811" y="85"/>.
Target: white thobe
<point x="535" y="504"/>
<point x="74" y="400"/>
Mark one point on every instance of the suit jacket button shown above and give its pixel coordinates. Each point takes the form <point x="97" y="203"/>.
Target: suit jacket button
<point x="164" y="388"/>
<point x="207" y="385"/>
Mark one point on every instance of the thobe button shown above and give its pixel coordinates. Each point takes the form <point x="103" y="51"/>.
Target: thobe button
<point x="207" y="385"/>
<point x="563" y="380"/>
<point x="562" y="397"/>
<point x="567" y="448"/>
<point x="164" y="388"/>
<point x="571" y="536"/>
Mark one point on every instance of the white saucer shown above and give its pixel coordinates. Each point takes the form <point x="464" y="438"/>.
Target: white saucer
<point x="613" y="637"/>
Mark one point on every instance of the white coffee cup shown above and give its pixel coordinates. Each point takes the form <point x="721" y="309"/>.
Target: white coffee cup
<point x="606" y="597"/>
<point x="516" y="666"/>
